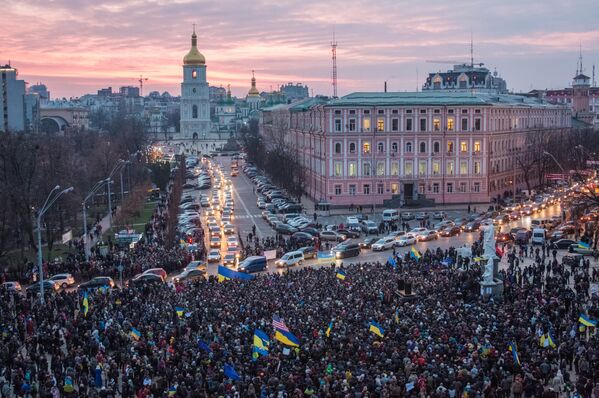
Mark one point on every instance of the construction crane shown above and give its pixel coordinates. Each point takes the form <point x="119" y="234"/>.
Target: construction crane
<point x="141" y="81"/>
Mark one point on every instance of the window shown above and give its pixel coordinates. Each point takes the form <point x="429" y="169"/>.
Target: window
<point x="437" y="111"/>
<point x="476" y="167"/>
<point x="423" y="111"/>
<point x="408" y="111"/>
<point x="394" y="188"/>
<point x="338" y="112"/>
<point x="194" y="112"/>
<point x="352" y="124"/>
<point x="394" y="124"/>
<point x="366" y="189"/>
<point x="476" y="187"/>
<point x="394" y="147"/>
<point x="380" y="147"/>
<point x="450" y="146"/>
<point x="423" y="147"/>
<point x="423" y="124"/>
<point x="337" y="189"/>
<point x="366" y="169"/>
<point x="436" y="147"/>
<point x="337" y="125"/>
<point x="194" y="74"/>
<point x="436" y="187"/>
<point x="380" y="124"/>
<point x="352" y="189"/>
<point x="463" y="167"/>
<point x="352" y="169"/>
<point x="476" y="146"/>
<point x="352" y="112"/>
<point x="477" y="123"/>
<point x="394" y="168"/>
<point x="408" y="147"/>
<point x="381" y="111"/>
<point x="337" y="147"/>
<point x="352" y="147"/>
<point x="338" y="166"/>
<point x="464" y="124"/>
<point x="408" y="169"/>
<point x="408" y="124"/>
<point x="463" y="146"/>
<point x="449" y="170"/>
<point x="366" y="147"/>
<point x="449" y="187"/>
<point x="421" y="188"/>
<point x="450" y="124"/>
<point x="462" y="187"/>
<point x="366" y="123"/>
<point x="380" y="168"/>
<point x="380" y="189"/>
<point x="436" y="124"/>
<point x="436" y="167"/>
<point x="422" y="168"/>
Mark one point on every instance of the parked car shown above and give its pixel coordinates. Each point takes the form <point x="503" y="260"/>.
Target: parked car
<point x="156" y="271"/>
<point x="302" y="237"/>
<point x="345" y="250"/>
<point x="142" y="279"/>
<point x="384" y="243"/>
<point x="330" y="236"/>
<point x="472" y="226"/>
<point x="349" y="234"/>
<point x="367" y="243"/>
<point x="369" y="227"/>
<point x="563" y="244"/>
<point x="407" y="216"/>
<point x="439" y="215"/>
<point x="522" y="237"/>
<point x="308" y="252"/>
<point x="405" y="240"/>
<point x="49" y="287"/>
<point x="290" y="259"/>
<point x="427" y="235"/>
<point x="421" y="215"/>
<point x="285" y="229"/>
<point x="189" y="275"/>
<point x="63" y="280"/>
<point x="98" y="281"/>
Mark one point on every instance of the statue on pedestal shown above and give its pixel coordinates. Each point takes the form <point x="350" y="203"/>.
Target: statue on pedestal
<point x="489" y="252"/>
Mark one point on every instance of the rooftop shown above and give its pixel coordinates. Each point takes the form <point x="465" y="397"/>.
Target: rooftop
<point x="438" y="98"/>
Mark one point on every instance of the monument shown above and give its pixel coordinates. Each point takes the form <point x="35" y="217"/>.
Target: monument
<point x="490" y="286"/>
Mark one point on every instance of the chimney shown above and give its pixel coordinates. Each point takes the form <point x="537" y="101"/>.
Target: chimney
<point x="385" y="86"/>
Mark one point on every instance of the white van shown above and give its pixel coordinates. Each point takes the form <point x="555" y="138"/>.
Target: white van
<point x="538" y="236"/>
<point x="390" y="215"/>
<point x="290" y="259"/>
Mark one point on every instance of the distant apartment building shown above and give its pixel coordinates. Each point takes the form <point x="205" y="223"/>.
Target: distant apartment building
<point x="294" y="92"/>
<point x="448" y="146"/>
<point x="466" y="77"/>
<point x="18" y="110"/>
<point x="41" y="90"/>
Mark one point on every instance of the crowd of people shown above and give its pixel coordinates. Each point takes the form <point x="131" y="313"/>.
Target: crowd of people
<point x="446" y="342"/>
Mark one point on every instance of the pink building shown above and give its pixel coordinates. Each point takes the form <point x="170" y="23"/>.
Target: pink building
<point x="451" y="147"/>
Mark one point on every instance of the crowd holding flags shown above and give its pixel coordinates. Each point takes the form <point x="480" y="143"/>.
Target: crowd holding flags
<point x="377" y="329"/>
<point x="586" y="321"/>
<point x="261" y="344"/>
<point x="329" y="328"/>
<point x="135" y="333"/>
<point x="514" y="350"/>
<point x="204" y="346"/>
<point x="415" y="254"/>
<point x="225" y="273"/>
<point x="340" y="274"/>
<point x="547" y="341"/>
<point x="230" y="372"/>
<point x="179" y="311"/>
<point x="85" y="304"/>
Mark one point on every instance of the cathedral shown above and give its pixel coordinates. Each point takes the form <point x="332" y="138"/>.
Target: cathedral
<point x="195" y="99"/>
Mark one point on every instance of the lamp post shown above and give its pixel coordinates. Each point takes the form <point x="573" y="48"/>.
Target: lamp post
<point x="119" y="166"/>
<point x="40" y="214"/>
<point x="125" y="164"/>
<point x="91" y="193"/>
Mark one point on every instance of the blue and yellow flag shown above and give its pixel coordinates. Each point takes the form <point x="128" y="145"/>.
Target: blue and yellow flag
<point x="583" y="245"/>
<point x="225" y="273"/>
<point x="397" y="315"/>
<point x="377" y="329"/>
<point x="514" y="350"/>
<point x="392" y="262"/>
<point x="135" y="333"/>
<point x="414" y="253"/>
<point x="586" y="321"/>
<point x="287" y="338"/>
<point x="261" y="344"/>
<point x="329" y="328"/>
<point x="179" y="311"/>
<point x="547" y="341"/>
<point x="340" y="274"/>
<point x="85" y="304"/>
<point x="172" y="390"/>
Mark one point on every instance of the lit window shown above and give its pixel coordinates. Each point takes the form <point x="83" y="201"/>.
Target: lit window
<point x="476" y="167"/>
<point x="194" y="74"/>
<point x="450" y="168"/>
<point x="380" y="124"/>
<point x="380" y="168"/>
<point x="422" y="168"/>
<point x="463" y="146"/>
<point x="394" y="168"/>
<point x="436" y="167"/>
<point x="338" y="166"/>
<point x="395" y="188"/>
<point x="463" y="168"/>
<point x="366" y="123"/>
<point x="408" y="168"/>
<point x="476" y="146"/>
<point x="450" y="124"/>
<point x="352" y="169"/>
<point x="366" y="147"/>
<point x="450" y="146"/>
<point x="436" y="124"/>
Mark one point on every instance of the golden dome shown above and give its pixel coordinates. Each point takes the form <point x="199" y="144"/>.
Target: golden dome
<point x="194" y="57"/>
<point x="253" y="90"/>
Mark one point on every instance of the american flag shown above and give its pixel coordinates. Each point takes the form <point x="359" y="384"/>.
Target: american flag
<point x="278" y="323"/>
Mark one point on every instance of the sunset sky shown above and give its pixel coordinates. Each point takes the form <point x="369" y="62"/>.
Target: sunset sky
<point x="78" y="46"/>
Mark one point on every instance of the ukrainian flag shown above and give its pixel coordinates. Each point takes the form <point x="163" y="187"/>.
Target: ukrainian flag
<point x="287" y="338"/>
<point x="583" y="245"/>
<point x="586" y="321"/>
<point x="340" y="274"/>
<point x="329" y="328"/>
<point x="512" y="348"/>
<point x="172" y="391"/>
<point x="225" y="273"/>
<point x="376" y="329"/>
<point x="261" y="344"/>
<point x="397" y="315"/>
<point x="135" y="333"/>
<point x="85" y="304"/>
<point x="414" y="253"/>
<point x="179" y="311"/>
<point x="546" y="341"/>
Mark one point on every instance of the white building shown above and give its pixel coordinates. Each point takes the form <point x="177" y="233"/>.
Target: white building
<point x="195" y="102"/>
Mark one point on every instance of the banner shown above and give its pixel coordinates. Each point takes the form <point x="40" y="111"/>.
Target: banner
<point x="67" y="236"/>
<point x="270" y="254"/>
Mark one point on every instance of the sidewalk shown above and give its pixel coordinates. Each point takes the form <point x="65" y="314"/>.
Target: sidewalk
<point x="105" y="223"/>
<point x="308" y="205"/>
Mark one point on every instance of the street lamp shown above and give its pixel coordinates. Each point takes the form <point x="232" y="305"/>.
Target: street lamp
<point x="91" y="193"/>
<point x="555" y="160"/>
<point x="121" y="172"/>
<point x="45" y="207"/>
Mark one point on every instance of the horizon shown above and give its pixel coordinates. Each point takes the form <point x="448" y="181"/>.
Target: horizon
<point x="530" y="45"/>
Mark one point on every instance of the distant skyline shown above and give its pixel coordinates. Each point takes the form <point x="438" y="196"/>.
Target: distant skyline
<point x="79" y="46"/>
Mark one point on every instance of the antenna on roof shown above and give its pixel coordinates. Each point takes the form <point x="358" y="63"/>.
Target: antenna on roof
<point x="471" y="49"/>
<point x="580" y="58"/>
<point x="334" y="56"/>
<point x="593" y="75"/>
<point x="416" y="79"/>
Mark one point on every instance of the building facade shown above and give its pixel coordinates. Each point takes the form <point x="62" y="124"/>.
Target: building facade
<point x="195" y="101"/>
<point x="12" y="100"/>
<point x="294" y="92"/>
<point x="449" y="147"/>
<point x="466" y="77"/>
